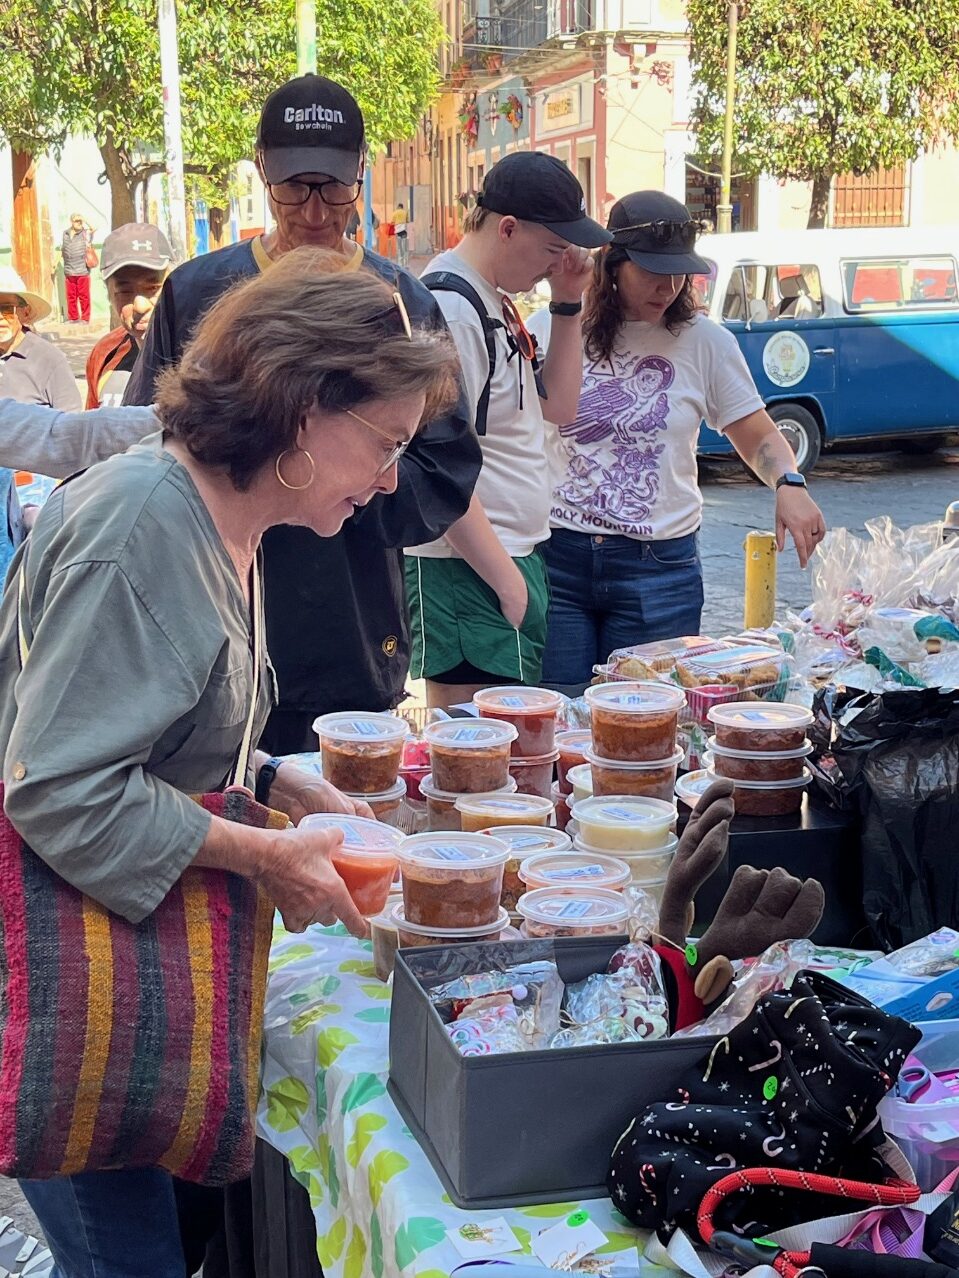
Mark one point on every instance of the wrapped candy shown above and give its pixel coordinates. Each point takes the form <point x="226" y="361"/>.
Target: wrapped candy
<point x="625" y="1004"/>
<point x="534" y="990"/>
<point x="494" y="1029"/>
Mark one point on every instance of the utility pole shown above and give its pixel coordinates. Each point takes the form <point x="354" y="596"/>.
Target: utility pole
<point x="305" y="36"/>
<point x="172" y="127"/>
<point x="724" y="209"/>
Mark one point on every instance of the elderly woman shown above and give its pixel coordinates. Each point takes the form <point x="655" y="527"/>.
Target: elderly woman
<point x="127" y="675"/>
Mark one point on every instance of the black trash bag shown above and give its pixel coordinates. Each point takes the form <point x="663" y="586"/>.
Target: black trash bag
<point x="894" y="757"/>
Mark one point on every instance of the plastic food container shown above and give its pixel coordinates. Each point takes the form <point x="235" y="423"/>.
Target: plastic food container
<point x="561" y="803"/>
<point x="648" y="866"/>
<point x="766" y="765"/>
<point x="572" y="912"/>
<point x="768" y="798"/>
<point x="581" y="782"/>
<point x="656" y="780"/>
<point x="625" y="823"/>
<point x="386" y="807"/>
<point x="523" y="841"/>
<point x="660" y="656"/>
<point x="532" y="711"/>
<point x="702" y="699"/>
<point x="441" y="812"/>
<point x="415" y="766"/>
<point x="691" y="788"/>
<point x="452" y="880"/>
<point x="411" y="935"/>
<point x="574" y="869"/>
<point x="470" y="756"/>
<point x="635" y="722"/>
<point x="385" y="941"/>
<point x="756" y="727"/>
<point x="572" y="746"/>
<point x="361" y="752"/>
<point x="534" y="776"/>
<point x="480" y="811"/>
<point x="366" y="861"/>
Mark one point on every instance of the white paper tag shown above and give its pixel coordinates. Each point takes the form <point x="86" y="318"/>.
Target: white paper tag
<point x="565" y="1244"/>
<point x="484" y="1238"/>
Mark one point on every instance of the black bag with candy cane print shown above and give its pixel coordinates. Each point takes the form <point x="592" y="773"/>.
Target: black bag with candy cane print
<point x="794" y="1086"/>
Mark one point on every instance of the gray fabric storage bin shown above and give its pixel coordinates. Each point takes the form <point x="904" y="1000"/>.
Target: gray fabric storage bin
<point x="527" y="1127"/>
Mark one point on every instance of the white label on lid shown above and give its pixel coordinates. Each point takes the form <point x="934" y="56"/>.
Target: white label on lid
<point x="450" y="852"/>
<point x="624" y="814"/>
<point x="573" y="910"/>
<point x="525" y="841"/>
<point x="512" y="702"/>
<point x="497" y="805"/>
<point x="360" y="728"/>
<point x="468" y="734"/>
<point x="580" y="872"/>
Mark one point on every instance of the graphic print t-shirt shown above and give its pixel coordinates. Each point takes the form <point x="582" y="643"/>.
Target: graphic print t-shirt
<point x="627" y="465"/>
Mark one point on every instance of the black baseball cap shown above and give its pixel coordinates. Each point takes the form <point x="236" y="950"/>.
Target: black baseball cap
<point x="657" y="233"/>
<point x="536" y="187"/>
<point x="311" y="125"/>
<point x="135" y="244"/>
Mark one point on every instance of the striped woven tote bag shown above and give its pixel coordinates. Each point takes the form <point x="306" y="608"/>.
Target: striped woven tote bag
<point x="133" y="1045"/>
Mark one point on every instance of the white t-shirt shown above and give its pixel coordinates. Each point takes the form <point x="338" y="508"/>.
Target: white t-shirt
<point x="627" y="465"/>
<point x="513" y="485"/>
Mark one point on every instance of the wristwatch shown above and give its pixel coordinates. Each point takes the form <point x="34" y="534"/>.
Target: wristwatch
<point x="264" y="779"/>
<point x="791" y="479"/>
<point x="565" y="308"/>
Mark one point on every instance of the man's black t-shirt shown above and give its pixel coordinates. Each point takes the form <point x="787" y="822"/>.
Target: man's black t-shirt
<point x="337" y="625"/>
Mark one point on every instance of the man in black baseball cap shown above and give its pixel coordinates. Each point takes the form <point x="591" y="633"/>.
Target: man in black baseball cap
<point x="311" y="125"/>
<point x="535" y="187"/>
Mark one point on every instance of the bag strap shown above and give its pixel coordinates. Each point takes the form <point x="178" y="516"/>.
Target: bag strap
<point x="22" y="644"/>
<point x="448" y="282"/>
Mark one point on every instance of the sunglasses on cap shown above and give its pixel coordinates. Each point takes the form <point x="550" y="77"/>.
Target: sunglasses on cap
<point x="665" y="233"/>
<point x="398" y="307"/>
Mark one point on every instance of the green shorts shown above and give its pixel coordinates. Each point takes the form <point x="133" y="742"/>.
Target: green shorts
<point x="455" y="619"/>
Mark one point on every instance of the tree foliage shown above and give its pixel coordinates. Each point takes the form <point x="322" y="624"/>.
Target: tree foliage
<point x="93" y="66"/>
<point x="825" y="87"/>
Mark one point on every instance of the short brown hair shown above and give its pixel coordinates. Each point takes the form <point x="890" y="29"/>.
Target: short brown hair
<point x="475" y="218"/>
<point x="300" y="335"/>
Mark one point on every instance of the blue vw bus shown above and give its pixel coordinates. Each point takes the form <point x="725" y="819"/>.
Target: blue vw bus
<point x="850" y="334"/>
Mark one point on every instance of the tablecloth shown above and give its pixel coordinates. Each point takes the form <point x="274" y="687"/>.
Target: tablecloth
<point x="379" y="1207"/>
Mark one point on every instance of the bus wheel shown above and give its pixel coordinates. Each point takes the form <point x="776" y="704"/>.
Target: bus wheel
<point x="801" y="431"/>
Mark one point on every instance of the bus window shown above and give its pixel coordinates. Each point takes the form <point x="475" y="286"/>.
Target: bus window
<point x="734" y="303"/>
<point x="908" y="283"/>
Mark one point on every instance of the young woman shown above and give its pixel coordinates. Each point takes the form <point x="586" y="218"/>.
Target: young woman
<point x="623" y="559"/>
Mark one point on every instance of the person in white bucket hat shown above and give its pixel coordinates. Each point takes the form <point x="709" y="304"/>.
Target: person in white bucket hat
<point x="32" y="370"/>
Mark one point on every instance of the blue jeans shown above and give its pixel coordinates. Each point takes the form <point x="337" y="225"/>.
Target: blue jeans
<point x="611" y="592"/>
<point x="123" y="1224"/>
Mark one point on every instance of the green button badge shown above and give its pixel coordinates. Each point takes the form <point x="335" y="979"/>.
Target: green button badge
<point x="771" y="1087"/>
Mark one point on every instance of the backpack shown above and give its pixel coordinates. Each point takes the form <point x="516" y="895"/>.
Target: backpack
<point x="448" y="282"/>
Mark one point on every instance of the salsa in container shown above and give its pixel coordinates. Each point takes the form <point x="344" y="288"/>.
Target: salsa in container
<point x="769" y="798"/>
<point x="441" y="810"/>
<point x="386" y="806"/>
<point x="412" y="935"/>
<point x="572" y="912"/>
<point x="572" y="746"/>
<point x="758" y="726"/>
<point x="470" y="756"/>
<point x="524" y="841"/>
<point x="534" y="776"/>
<point x="634" y="722"/>
<point x="531" y="711"/>
<point x="361" y="752"/>
<point x="452" y="880"/>
<point x="366" y="860"/>
<point x="760" y="765"/>
<point x="655" y="780"/>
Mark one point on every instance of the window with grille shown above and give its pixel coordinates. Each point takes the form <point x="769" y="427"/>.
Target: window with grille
<point x="880" y="198"/>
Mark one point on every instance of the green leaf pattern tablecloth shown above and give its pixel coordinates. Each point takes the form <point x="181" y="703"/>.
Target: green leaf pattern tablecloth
<point x="380" y="1209"/>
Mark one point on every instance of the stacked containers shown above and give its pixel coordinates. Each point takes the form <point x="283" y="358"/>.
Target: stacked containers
<point x="361" y="755"/>
<point x="524" y="841"/>
<point x="452" y="885"/>
<point x="634" y="829"/>
<point x="532" y="712"/>
<point x="467" y="756"/>
<point x="762" y="747"/>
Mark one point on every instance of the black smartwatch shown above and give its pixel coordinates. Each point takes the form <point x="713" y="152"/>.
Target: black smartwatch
<point x="791" y="479"/>
<point x="264" y="779"/>
<point x="565" y="308"/>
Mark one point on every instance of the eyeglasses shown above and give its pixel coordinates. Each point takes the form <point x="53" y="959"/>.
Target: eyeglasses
<point x="330" y="192"/>
<point x="523" y="340"/>
<point x="398" y="307"/>
<point x="395" y="453"/>
<point x="10" y="308"/>
<point x="665" y="232"/>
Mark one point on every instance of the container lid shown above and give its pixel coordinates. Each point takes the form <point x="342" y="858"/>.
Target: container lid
<point x="518" y="700"/>
<point x="624" y="811"/>
<point x="575" y="869"/>
<point x="470" y="734"/>
<point x="666" y="849"/>
<point x="533" y="760"/>
<point x="574" y="907"/>
<point x="450" y="848"/>
<point x="761" y="715"/>
<point x="796" y="784"/>
<point x="693" y="786"/>
<point x="358" y="726"/>
<point x="503" y="803"/>
<point x="635" y="698"/>
<point x="675" y="758"/>
<point x="527" y="839"/>
<point x="361" y="836"/>
<point x="392" y="795"/>
<point x="661" y="649"/>
<point x="428" y="789"/>
<point x="803" y="752"/>
<point x="733" y="657"/>
<point x="581" y="777"/>
<point x="574" y="738"/>
<point x="398" y="919"/>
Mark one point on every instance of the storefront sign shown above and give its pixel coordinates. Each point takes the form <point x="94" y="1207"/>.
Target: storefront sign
<point x="561" y="109"/>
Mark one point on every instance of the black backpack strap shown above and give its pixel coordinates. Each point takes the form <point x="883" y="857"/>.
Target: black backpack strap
<point x="449" y="282"/>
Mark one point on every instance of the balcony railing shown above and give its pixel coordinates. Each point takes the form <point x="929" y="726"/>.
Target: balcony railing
<point x="518" y="27"/>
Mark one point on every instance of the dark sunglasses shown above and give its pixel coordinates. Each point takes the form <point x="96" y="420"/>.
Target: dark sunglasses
<point x="398" y="307"/>
<point x="664" y="232"/>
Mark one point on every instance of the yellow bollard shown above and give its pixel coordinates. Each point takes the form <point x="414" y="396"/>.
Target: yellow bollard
<point x="760" y="594"/>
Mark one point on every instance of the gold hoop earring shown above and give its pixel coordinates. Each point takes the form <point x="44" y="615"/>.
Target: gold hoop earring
<point x="295" y="488"/>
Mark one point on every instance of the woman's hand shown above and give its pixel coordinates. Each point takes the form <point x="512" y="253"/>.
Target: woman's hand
<point x="298" y="792"/>
<point x="798" y="514"/>
<point x="298" y="877"/>
<point x="514" y="598"/>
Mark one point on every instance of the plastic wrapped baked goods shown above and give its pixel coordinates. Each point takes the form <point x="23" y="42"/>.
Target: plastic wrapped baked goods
<point x="754" y="670"/>
<point x="655" y="780"/>
<point x="491" y="1031"/>
<point x="572" y="912"/>
<point x="470" y="756"/>
<point x="756" y="728"/>
<point x="635" y="722"/>
<point x="650" y="660"/>
<point x="361" y="752"/>
<point x="366" y="860"/>
<point x="452" y="880"/>
<point x="535" y="990"/>
<point x="532" y="711"/>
